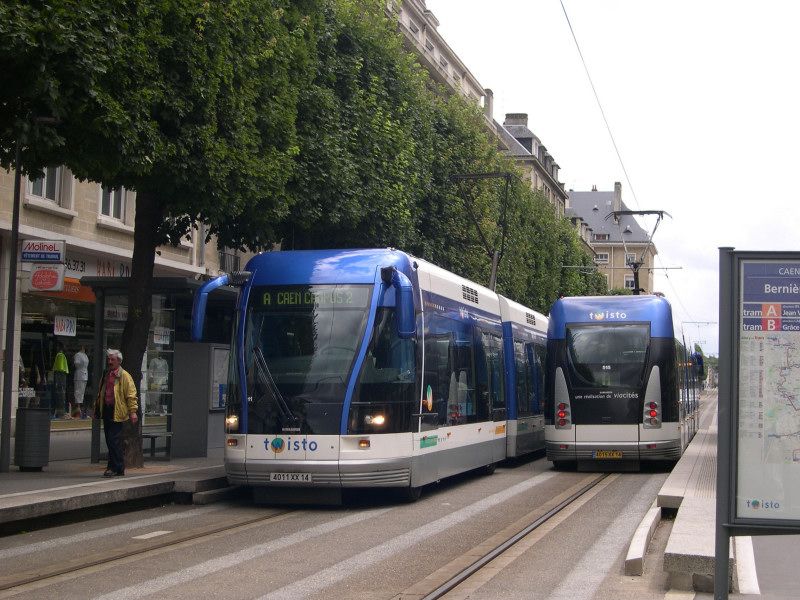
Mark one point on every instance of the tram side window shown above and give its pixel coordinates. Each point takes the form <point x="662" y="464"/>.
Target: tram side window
<point x="490" y="377"/>
<point x="524" y="380"/>
<point x="449" y="378"/>
<point x="537" y="355"/>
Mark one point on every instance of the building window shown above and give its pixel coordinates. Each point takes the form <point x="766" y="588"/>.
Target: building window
<point x="428" y="45"/>
<point x="630" y="258"/>
<point x="601" y="258"/>
<point x="601" y="237"/>
<point x="51" y="186"/>
<point x="413" y="27"/>
<point x="229" y="260"/>
<point x="443" y="61"/>
<point x="112" y="203"/>
<point x="629" y="285"/>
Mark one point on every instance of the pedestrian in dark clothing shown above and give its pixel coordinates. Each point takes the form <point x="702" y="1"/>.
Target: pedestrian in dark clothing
<point x="116" y="403"/>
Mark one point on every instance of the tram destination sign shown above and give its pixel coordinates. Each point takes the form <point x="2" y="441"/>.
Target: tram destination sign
<point x="42" y="251"/>
<point x="311" y="297"/>
<point x="767" y="416"/>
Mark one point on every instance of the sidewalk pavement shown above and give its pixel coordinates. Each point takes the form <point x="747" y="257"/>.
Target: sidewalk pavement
<point x="70" y="485"/>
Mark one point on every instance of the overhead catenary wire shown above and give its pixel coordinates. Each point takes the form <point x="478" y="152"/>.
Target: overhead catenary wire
<point x="613" y="141"/>
<point x="600" y="105"/>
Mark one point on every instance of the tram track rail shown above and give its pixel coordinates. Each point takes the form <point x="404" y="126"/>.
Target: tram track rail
<point x="475" y="567"/>
<point x="45" y="573"/>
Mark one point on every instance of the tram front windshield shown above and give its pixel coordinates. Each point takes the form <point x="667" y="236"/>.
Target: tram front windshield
<point x="300" y="346"/>
<point x="608" y="355"/>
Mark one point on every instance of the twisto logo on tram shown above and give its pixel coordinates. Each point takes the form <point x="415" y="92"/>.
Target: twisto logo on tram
<point x="278" y="445"/>
<point x="609" y="314"/>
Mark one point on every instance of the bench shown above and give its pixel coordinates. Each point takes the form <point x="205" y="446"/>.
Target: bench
<point x="154" y="436"/>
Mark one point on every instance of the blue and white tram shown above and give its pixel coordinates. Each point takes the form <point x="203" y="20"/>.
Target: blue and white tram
<point x="365" y="368"/>
<point x="619" y="387"/>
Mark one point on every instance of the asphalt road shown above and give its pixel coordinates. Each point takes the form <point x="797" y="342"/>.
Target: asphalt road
<point x="374" y="547"/>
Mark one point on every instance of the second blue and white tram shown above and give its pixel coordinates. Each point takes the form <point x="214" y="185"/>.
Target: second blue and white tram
<point x="620" y="388"/>
<point x="365" y="368"/>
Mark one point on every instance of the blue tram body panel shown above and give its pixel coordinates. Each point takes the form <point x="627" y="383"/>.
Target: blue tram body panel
<point x="318" y="267"/>
<point x="611" y="309"/>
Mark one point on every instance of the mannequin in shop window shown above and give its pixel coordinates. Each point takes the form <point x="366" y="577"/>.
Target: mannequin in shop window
<point x="60" y="373"/>
<point x="81" y="363"/>
<point x="157" y="376"/>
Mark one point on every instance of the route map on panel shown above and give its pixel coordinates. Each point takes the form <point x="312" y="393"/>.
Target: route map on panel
<point x="768" y="480"/>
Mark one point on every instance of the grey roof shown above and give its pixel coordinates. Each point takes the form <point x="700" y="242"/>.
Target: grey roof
<point x="593" y="207"/>
<point x="514" y="147"/>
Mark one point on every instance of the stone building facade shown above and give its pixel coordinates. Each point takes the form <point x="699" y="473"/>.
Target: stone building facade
<point x="615" y="246"/>
<point x="96" y="226"/>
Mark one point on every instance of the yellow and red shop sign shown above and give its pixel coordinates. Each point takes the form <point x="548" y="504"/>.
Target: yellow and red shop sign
<point x="73" y="290"/>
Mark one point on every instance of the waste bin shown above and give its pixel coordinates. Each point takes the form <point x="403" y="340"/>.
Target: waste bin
<point x="32" y="439"/>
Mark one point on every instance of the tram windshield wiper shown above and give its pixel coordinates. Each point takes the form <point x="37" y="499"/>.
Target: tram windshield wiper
<point x="265" y="378"/>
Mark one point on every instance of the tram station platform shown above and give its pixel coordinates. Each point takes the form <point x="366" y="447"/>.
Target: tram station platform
<point x="76" y="486"/>
<point x="689" y="493"/>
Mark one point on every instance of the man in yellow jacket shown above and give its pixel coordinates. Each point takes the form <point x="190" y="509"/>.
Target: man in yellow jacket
<point x="116" y="403"/>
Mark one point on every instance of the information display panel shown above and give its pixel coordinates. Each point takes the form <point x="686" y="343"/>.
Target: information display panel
<point x="767" y="469"/>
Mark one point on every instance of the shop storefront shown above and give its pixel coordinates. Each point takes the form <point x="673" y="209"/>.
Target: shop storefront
<point x="56" y="340"/>
<point x="172" y="306"/>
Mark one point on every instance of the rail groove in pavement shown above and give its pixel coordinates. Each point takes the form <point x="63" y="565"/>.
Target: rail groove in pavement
<point x="38" y="575"/>
<point x="503" y="547"/>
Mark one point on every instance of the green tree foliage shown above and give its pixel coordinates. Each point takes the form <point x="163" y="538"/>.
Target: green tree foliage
<point x="363" y="136"/>
<point x="191" y="103"/>
<point x="304" y="121"/>
<point x="378" y="146"/>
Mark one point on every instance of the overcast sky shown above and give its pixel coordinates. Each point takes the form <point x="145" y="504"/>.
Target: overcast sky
<point x="702" y="98"/>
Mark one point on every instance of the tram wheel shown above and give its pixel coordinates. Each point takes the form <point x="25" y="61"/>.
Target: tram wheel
<point x="411" y="493"/>
<point x="489" y="469"/>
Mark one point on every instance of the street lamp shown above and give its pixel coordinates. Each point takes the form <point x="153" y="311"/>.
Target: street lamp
<point x="11" y="322"/>
<point x="493" y="252"/>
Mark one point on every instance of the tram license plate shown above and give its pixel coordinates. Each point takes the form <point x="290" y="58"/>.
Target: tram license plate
<point x="608" y="453"/>
<point x="291" y="477"/>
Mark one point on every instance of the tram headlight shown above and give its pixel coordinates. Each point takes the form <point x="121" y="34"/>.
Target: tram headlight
<point x="377" y="420"/>
<point x="232" y="423"/>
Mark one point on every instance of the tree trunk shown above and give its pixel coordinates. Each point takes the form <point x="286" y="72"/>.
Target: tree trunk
<point x="149" y="215"/>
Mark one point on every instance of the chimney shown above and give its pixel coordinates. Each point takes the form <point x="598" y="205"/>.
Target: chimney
<point x="516" y="119"/>
<point x="488" y="103"/>
<point x="617" y="195"/>
<point x="594" y="188"/>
